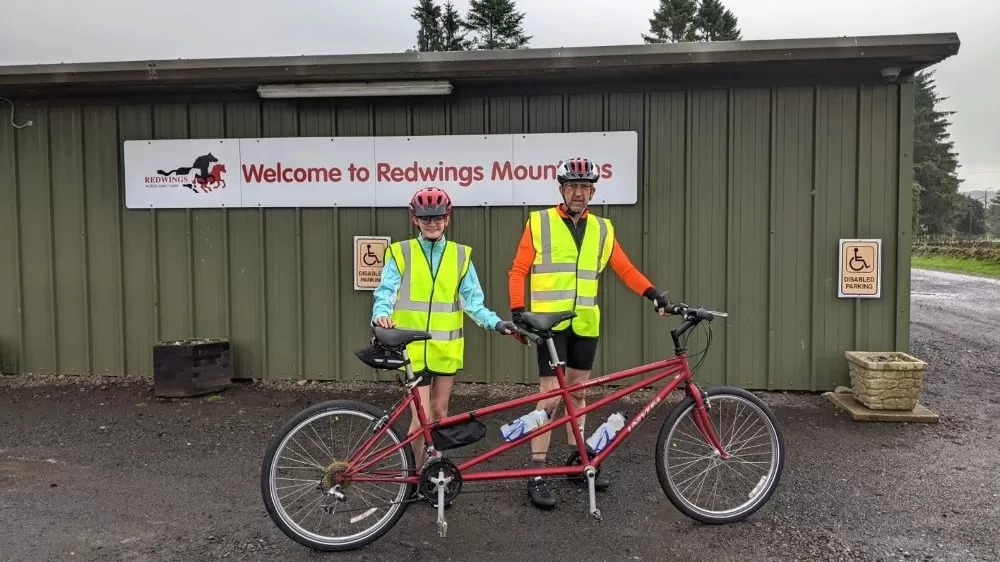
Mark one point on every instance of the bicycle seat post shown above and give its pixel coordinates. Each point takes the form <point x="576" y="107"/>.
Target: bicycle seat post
<point x="553" y="354"/>
<point x="410" y="377"/>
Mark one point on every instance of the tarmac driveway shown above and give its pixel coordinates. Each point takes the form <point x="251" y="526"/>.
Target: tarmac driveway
<point x="98" y="470"/>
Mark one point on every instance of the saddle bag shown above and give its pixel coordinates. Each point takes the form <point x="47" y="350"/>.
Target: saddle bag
<point x="458" y="435"/>
<point x="378" y="356"/>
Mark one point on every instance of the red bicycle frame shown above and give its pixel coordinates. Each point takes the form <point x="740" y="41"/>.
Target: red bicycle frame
<point x="674" y="366"/>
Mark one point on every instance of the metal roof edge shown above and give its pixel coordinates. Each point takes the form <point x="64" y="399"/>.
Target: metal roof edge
<point x="924" y="48"/>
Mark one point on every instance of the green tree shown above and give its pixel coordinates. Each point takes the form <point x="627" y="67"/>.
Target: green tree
<point x="452" y="36"/>
<point x="934" y="160"/>
<point x="428" y="15"/>
<point x="716" y="23"/>
<point x="496" y="24"/>
<point x="673" y="22"/>
<point x="676" y="21"/>
<point x="918" y="191"/>
<point x="971" y="216"/>
<point x="993" y="217"/>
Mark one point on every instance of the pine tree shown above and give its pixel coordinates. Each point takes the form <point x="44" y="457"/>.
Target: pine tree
<point x="673" y="22"/>
<point x="452" y="37"/>
<point x="716" y="23"/>
<point x="496" y="24"/>
<point x="428" y="15"/>
<point x="934" y="160"/>
<point x="677" y="21"/>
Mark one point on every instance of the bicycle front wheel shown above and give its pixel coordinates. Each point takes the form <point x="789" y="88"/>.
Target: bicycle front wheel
<point x="299" y="478"/>
<point x="693" y="475"/>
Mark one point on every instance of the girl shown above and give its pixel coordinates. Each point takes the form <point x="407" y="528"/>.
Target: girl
<point x="426" y="283"/>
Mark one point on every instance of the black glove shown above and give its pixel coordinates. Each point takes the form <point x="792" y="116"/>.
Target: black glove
<point x="505" y="327"/>
<point x="516" y="315"/>
<point x="660" y="302"/>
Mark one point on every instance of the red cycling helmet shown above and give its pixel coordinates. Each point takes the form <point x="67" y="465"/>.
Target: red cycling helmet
<point x="430" y="202"/>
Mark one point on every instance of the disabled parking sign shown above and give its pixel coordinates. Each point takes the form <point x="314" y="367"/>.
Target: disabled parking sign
<point x="369" y="259"/>
<point x="860" y="268"/>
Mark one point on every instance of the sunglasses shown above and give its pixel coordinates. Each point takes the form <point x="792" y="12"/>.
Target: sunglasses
<point x="429" y="220"/>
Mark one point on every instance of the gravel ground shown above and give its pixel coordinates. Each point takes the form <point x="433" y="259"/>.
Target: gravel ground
<point x="96" y="469"/>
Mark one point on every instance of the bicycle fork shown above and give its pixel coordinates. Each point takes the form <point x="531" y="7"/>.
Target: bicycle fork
<point x="703" y="422"/>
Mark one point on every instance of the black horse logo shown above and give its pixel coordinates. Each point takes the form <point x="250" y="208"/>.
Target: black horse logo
<point x="201" y="164"/>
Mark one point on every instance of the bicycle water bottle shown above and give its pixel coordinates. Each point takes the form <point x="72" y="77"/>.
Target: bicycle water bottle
<point x="606" y="432"/>
<point x="524" y="424"/>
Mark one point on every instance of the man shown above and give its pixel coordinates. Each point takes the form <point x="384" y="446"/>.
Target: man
<point x="566" y="247"/>
<point x="426" y="283"/>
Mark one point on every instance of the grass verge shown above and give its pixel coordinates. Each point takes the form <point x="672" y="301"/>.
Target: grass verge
<point x="958" y="265"/>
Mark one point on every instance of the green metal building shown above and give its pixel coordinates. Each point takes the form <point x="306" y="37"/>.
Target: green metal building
<point x="755" y="158"/>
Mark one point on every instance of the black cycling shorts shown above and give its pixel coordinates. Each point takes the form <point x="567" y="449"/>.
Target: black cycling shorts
<point x="578" y="352"/>
<point x="429" y="376"/>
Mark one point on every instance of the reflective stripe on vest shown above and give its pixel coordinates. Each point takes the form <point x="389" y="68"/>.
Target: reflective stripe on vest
<point x="431" y="303"/>
<point x="563" y="278"/>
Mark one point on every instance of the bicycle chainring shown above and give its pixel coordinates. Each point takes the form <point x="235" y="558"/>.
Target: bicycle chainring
<point x="574" y="459"/>
<point x="428" y="489"/>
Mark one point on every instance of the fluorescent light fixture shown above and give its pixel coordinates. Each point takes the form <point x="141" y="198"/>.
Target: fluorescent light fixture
<point x="355" y="89"/>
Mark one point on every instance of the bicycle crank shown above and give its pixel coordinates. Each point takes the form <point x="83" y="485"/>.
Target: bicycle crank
<point x="440" y="479"/>
<point x="591" y="476"/>
<point x="441" y="482"/>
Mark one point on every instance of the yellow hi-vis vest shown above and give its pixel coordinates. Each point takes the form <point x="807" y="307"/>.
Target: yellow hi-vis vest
<point x="563" y="278"/>
<point x="431" y="303"/>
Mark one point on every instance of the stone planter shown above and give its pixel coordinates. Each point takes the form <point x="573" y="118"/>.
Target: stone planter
<point x="886" y="380"/>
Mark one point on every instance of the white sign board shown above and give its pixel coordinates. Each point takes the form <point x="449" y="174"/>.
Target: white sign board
<point x="860" y="268"/>
<point x="476" y="170"/>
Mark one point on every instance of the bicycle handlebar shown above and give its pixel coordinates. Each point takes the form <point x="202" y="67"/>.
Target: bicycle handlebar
<point x="700" y="313"/>
<point x="690" y="314"/>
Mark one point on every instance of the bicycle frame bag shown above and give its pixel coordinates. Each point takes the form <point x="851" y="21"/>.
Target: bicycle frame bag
<point x="378" y="356"/>
<point x="458" y="435"/>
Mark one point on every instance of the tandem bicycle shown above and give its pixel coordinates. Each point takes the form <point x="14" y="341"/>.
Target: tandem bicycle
<point x="372" y="482"/>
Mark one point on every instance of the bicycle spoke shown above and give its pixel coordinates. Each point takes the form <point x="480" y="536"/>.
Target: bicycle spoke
<point x="326" y="449"/>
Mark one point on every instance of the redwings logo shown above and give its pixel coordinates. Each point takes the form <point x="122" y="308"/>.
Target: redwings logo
<point x="208" y="172"/>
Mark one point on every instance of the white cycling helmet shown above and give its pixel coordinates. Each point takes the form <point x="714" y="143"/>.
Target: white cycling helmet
<point x="577" y="169"/>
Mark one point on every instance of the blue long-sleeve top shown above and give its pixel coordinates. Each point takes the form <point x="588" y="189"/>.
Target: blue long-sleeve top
<point x="470" y="289"/>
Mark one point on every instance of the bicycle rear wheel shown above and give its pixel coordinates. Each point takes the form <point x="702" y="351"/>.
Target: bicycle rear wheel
<point x="298" y="478"/>
<point x="691" y="472"/>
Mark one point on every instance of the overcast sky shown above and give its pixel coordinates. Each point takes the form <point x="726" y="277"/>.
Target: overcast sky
<point x="105" y="30"/>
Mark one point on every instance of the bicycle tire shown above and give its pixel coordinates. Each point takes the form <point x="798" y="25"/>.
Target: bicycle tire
<point x="267" y="492"/>
<point x="685" y="408"/>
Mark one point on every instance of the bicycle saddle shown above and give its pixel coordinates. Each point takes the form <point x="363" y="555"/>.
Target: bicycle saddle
<point x="545" y="320"/>
<point x="398" y="336"/>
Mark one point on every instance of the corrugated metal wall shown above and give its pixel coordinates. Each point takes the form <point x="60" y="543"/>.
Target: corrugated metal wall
<point x="744" y="195"/>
